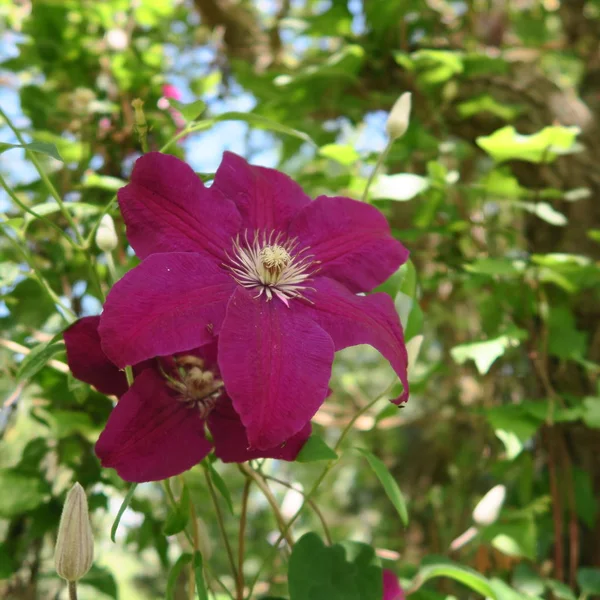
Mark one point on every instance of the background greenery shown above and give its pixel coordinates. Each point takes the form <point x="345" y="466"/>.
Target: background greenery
<point x="494" y="189"/>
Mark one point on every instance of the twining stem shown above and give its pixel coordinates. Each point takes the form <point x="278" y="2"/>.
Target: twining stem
<point x="220" y="521"/>
<point x="42" y="280"/>
<point x="196" y="544"/>
<point x="211" y="573"/>
<point x="242" y="539"/>
<point x="264" y="488"/>
<point x="36" y="163"/>
<point x="319" y="480"/>
<point x="26" y="208"/>
<point x="72" y="586"/>
<point x="310" y="502"/>
<point x="378" y="164"/>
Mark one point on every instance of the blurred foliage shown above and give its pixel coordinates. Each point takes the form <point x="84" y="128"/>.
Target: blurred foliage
<point x="494" y="189"/>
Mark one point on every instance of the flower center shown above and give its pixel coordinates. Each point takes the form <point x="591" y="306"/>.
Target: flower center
<point x="274" y="259"/>
<point x="198" y="387"/>
<point x="272" y="265"/>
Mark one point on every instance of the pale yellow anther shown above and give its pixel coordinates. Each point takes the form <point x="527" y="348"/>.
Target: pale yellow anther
<point x="275" y="258"/>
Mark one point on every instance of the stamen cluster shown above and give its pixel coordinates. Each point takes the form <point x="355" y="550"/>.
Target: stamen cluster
<point x="271" y="264"/>
<point x="199" y="388"/>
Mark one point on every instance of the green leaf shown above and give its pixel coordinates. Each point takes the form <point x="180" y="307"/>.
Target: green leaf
<point x="389" y="484"/>
<point x="7" y="565"/>
<point x="463" y="575"/>
<point x="342" y="153"/>
<point x="102" y="580"/>
<point x="544" y="211"/>
<point x="20" y="493"/>
<point x="541" y="147"/>
<point x="176" y="521"/>
<point x="103" y="182"/>
<point x="591" y="412"/>
<point x="399" y="187"/>
<point x="189" y="111"/>
<point x="588" y="579"/>
<point x="199" y="572"/>
<point x="560" y="590"/>
<point x="124" y="505"/>
<point x="484" y="354"/>
<point x="350" y="571"/>
<point x="40" y="147"/>
<point x="37" y="359"/>
<point x="221" y="486"/>
<point x="176" y="569"/>
<point x="254" y="121"/>
<point x="315" y="449"/>
<point x="496" y="266"/>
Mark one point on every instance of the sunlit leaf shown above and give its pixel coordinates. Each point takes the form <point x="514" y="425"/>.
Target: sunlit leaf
<point x="315" y="449"/>
<point x="389" y="484"/>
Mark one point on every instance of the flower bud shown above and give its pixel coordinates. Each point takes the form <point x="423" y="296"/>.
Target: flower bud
<point x="74" y="551"/>
<point x="487" y="510"/>
<point x="398" y="119"/>
<point x="106" y="236"/>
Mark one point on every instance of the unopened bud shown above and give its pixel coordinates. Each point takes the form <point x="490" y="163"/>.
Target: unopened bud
<point x="75" y="545"/>
<point x="399" y="117"/>
<point x="106" y="236"/>
<point x="140" y="117"/>
<point x="487" y="510"/>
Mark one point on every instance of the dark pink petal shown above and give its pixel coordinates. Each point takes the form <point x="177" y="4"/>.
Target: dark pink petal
<point x="276" y="364"/>
<point x="267" y="199"/>
<point x="391" y="586"/>
<point x="231" y="441"/>
<point x="351" y="239"/>
<point x="169" y="303"/>
<point x="351" y="320"/>
<point x="167" y="209"/>
<point x="88" y="362"/>
<point x="150" y="434"/>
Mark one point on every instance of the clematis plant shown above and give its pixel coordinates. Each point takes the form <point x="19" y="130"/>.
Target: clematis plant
<point x="250" y="263"/>
<point x="158" y="427"/>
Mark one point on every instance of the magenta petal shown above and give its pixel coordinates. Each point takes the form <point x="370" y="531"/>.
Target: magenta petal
<point x="231" y="441"/>
<point x="167" y="208"/>
<point x="391" y="586"/>
<point x="267" y="199"/>
<point x="276" y="364"/>
<point x="351" y="239"/>
<point x="169" y="303"/>
<point x="351" y="320"/>
<point x="88" y="362"/>
<point x="150" y="434"/>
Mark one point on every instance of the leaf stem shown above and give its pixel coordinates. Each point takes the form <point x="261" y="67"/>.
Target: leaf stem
<point x="220" y="521"/>
<point x="380" y="161"/>
<point x="49" y="185"/>
<point x="319" y="480"/>
<point x="242" y="539"/>
<point x="42" y="280"/>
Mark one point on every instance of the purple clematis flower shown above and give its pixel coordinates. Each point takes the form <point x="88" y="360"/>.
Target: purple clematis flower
<point x="157" y="429"/>
<point x="391" y="586"/>
<point x="275" y="275"/>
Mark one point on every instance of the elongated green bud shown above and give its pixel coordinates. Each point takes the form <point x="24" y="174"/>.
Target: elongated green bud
<point x="106" y="236"/>
<point x="74" y="551"/>
<point x="399" y="117"/>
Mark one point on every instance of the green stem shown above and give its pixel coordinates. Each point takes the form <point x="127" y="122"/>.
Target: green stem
<point x="72" y="585"/>
<point x="319" y="480"/>
<point x="112" y="271"/>
<point x="42" y="280"/>
<point x="380" y="162"/>
<point x="36" y="163"/>
<point x="26" y="208"/>
<point x="268" y="494"/>
<point x="242" y="539"/>
<point x="220" y="521"/>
